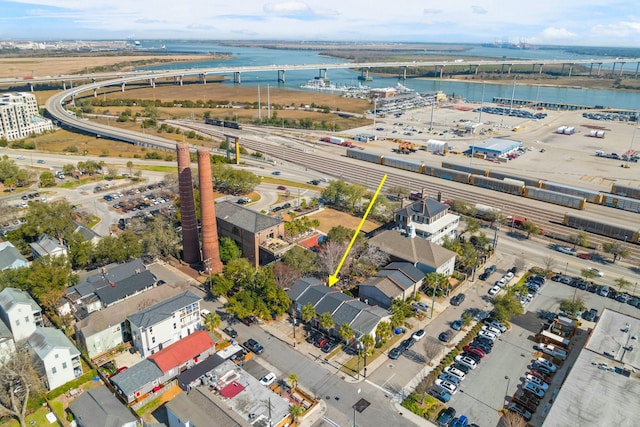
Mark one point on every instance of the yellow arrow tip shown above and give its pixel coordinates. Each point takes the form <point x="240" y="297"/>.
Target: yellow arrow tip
<point x="332" y="280"/>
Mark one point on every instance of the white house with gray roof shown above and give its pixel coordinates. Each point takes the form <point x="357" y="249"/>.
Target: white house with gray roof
<point x="19" y="312"/>
<point x="47" y="246"/>
<point x="99" y="407"/>
<point x="428" y="219"/>
<point x="7" y="345"/>
<point x="398" y="280"/>
<point x="56" y="357"/>
<point x="10" y="257"/>
<point x="166" y="322"/>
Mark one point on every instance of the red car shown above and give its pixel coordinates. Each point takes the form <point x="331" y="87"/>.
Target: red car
<point x="584" y="256"/>
<point x="474" y="350"/>
<point x="321" y="342"/>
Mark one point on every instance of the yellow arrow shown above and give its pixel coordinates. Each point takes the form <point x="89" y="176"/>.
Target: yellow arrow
<point x="334" y="277"/>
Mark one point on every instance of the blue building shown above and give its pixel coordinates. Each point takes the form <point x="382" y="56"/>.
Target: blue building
<point x="494" y="147"/>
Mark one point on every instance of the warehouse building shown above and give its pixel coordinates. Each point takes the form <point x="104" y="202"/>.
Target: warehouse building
<point x="494" y="148"/>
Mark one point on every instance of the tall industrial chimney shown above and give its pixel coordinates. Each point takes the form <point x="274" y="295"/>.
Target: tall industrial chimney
<point x="210" y="250"/>
<point x="190" y="243"/>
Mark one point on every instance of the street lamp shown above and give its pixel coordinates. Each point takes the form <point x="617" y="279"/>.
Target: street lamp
<point x="295" y="320"/>
<point x="506" y="393"/>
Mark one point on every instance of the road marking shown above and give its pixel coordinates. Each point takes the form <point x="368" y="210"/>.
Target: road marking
<point x="381" y="388"/>
<point x="388" y="379"/>
<point x="330" y="421"/>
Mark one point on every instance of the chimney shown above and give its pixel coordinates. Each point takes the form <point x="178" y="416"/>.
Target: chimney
<point x="210" y="250"/>
<point x="190" y="244"/>
<point x="440" y="196"/>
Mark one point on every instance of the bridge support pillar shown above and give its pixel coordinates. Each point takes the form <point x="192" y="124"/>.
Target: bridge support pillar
<point x="203" y="78"/>
<point x="476" y="72"/>
<point x="637" y="68"/>
<point x="281" y="76"/>
<point x="95" y="93"/>
<point x="621" y="67"/>
<point x="613" y="70"/>
<point x="541" y="65"/>
<point x="502" y="69"/>
<point x="591" y="68"/>
<point x="236" y="77"/>
<point x="180" y="79"/>
<point x="570" y="69"/>
<point x="73" y="100"/>
<point x="152" y="83"/>
<point x="31" y="86"/>
<point x="64" y="85"/>
<point x="322" y="73"/>
<point x="562" y="71"/>
<point x="122" y="87"/>
<point x="404" y="73"/>
<point x="441" y="71"/>
<point x="599" y="68"/>
<point x="509" y="69"/>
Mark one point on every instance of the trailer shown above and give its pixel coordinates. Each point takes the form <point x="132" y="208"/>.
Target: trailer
<point x="335" y="140"/>
<point x="596" y="134"/>
<point x="554" y="197"/>
<point x="590" y="195"/>
<point x="496" y="184"/>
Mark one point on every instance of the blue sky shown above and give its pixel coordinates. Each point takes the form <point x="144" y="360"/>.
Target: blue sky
<point x="564" y="22"/>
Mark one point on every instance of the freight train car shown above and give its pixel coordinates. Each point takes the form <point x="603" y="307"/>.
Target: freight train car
<point x="501" y="175"/>
<point x="590" y="195"/>
<point x="608" y="229"/>
<point x="626" y="191"/>
<point x="619" y="202"/>
<point x="471" y="169"/>
<point x="496" y="184"/>
<point x="567" y="200"/>
<point x="449" y="174"/>
<point x="402" y="164"/>
<point x="363" y="155"/>
<point x="223" y="123"/>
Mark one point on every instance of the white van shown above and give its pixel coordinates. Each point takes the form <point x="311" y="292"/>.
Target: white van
<point x="204" y="312"/>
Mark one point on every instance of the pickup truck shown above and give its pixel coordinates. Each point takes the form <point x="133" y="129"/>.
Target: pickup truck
<point x="526" y="400"/>
<point x="553" y="351"/>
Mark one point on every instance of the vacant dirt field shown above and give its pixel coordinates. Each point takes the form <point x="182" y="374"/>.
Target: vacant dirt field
<point x="330" y="218"/>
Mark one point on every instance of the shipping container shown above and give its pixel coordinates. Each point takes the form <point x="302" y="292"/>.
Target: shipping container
<point x="626" y="191"/>
<point x="556" y="198"/>
<point x="496" y="184"/>
<point x="620" y="202"/>
<point x="596" y="133"/>
<point x="590" y="195"/>
<point x="449" y="174"/>
<point x="471" y="169"/>
<point x="334" y="140"/>
<point x="363" y="155"/>
<point x="402" y="164"/>
<point x="501" y="175"/>
<point x="615" y="231"/>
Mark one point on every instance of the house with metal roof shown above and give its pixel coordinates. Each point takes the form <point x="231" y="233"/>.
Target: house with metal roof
<point x="106" y="329"/>
<point x="10" y="257"/>
<point x="57" y="359"/>
<point x="426" y="256"/>
<point x="19" y="312"/>
<point x="398" y="280"/>
<point x="494" y="147"/>
<point x="428" y="219"/>
<point x="47" y="246"/>
<point x="88" y="235"/>
<point x="99" y="407"/>
<point x="164" y="323"/>
<point x="259" y="236"/>
<point x="7" y="345"/>
<point x="137" y="381"/>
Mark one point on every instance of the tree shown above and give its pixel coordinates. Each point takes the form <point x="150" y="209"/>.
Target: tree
<point x="506" y="306"/>
<point x="340" y="234"/>
<point x="335" y="192"/>
<point x="400" y="191"/>
<point x="159" y="238"/>
<point x="47" y="179"/>
<point x="368" y="343"/>
<point x="622" y="283"/>
<point x="347" y="333"/>
<point x="296" y="411"/>
<point x="211" y="321"/>
<point x="220" y="285"/>
<point x="467" y="319"/>
<point x="530" y="228"/>
<point x="301" y="259"/>
<point x="512" y="419"/>
<point x="579" y="239"/>
<point x="130" y="166"/>
<point x="472" y="225"/>
<point x="618" y="250"/>
<point x="292" y="379"/>
<point x="326" y="320"/>
<point x="572" y="306"/>
<point x="285" y="276"/>
<point x="400" y="311"/>
<point x="229" y="249"/>
<point x="18" y="381"/>
<point x="329" y="257"/>
<point x="308" y="312"/>
<point x="383" y="331"/>
<point x="549" y="263"/>
<point x="54" y="218"/>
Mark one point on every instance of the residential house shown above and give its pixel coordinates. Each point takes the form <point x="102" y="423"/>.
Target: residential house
<point x="10" y="257"/>
<point x="88" y="235"/>
<point x="7" y="345"/>
<point x="106" y="329"/>
<point x="149" y="375"/>
<point x="19" y="312"/>
<point x="166" y="322"/>
<point x="47" y="246"/>
<point x="428" y="219"/>
<point x="198" y="408"/>
<point x="55" y="355"/>
<point x="398" y="280"/>
<point x="426" y="256"/>
<point x="99" y="407"/>
<point x="259" y="236"/>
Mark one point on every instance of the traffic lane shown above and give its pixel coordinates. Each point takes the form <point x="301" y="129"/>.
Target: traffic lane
<point x="486" y="389"/>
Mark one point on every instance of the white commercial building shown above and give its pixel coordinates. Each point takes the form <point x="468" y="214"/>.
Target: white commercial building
<point x="19" y="116"/>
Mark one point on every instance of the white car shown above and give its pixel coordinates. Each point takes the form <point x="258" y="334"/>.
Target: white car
<point x="495" y="324"/>
<point x="501" y="282"/>
<point x="544" y="362"/>
<point x="537" y="381"/>
<point x="417" y="335"/>
<point x="466" y="361"/>
<point x="596" y="271"/>
<point x="450" y="387"/>
<point x="268" y="379"/>
<point x="566" y="250"/>
<point x="204" y="312"/>
<point x="452" y="370"/>
<point x="494" y="290"/>
<point x="532" y="388"/>
<point x="491" y="329"/>
<point x="488" y="335"/>
<point x="508" y="276"/>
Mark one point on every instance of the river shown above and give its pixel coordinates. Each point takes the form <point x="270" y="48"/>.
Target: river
<point x="472" y="91"/>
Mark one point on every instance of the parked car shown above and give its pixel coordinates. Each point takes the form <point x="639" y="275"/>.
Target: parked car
<point x="417" y="335"/>
<point x="444" y="336"/>
<point x="532" y="388"/>
<point x="553" y="350"/>
<point x="230" y="331"/>
<point x="446" y="417"/>
<point x="520" y="410"/>
<point x="482" y="346"/>
<point x="452" y="370"/>
<point x="544" y="362"/>
<point x="456" y="325"/>
<point x="541" y="368"/>
<point x="457" y="300"/>
<point x="494" y="290"/>
<point x="441" y="394"/>
<point x="488" y="335"/>
<point x="467" y="361"/>
<point x="450" y="378"/>
<point x="395" y="353"/>
<point x="491" y="329"/>
<point x="254" y="346"/>
<point x="495" y="324"/>
<point x="204" y="312"/>
<point x="329" y="347"/>
<point x="449" y="386"/>
<point x="268" y="379"/>
<point x="537" y="381"/>
<point x="566" y="250"/>
<point x="462" y="421"/>
<point x="421" y="306"/>
<point x="321" y="341"/>
<point x="474" y="350"/>
<point x="248" y="321"/>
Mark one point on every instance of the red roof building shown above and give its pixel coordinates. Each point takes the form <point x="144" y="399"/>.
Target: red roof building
<point x="195" y="347"/>
<point x="231" y="390"/>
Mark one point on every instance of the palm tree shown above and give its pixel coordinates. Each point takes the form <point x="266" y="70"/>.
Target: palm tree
<point x="308" y="312"/>
<point x="293" y="380"/>
<point x="211" y="321"/>
<point x="368" y="343"/>
<point x="295" y="411"/>
<point x="326" y="321"/>
<point x="383" y="331"/>
<point x="347" y="333"/>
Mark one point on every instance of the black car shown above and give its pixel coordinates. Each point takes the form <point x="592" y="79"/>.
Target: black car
<point x="490" y="269"/>
<point x="484" y="341"/>
<point x="472" y="356"/>
<point x="407" y="344"/>
<point x="254" y="346"/>
<point x="230" y="331"/>
<point x="445" y="336"/>
<point x="249" y="320"/>
<point x="463" y="368"/>
<point x="446" y="417"/>
<point x="590" y="315"/>
<point x="328" y="347"/>
<point x="457" y="300"/>
<point x="485" y="348"/>
<point x="484" y="276"/>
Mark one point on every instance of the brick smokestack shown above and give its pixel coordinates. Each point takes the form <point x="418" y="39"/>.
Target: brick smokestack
<point x="210" y="250"/>
<point x="190" y="243"/>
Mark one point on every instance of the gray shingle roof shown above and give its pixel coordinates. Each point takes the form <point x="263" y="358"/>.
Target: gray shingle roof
<point x="429" y="207"/>
<point x="347" y="312"/>
<point x="45" y="340"/>
<point x="244" y="218"/>
<point x="46" y="245"/>
<point x="162" y="310"/>
<point x="9" y="255"/>
<point x="330" y="302"/>
<point x="98" y="407"/>
<point x="411" y="249"/>
<point x="126" y="287"/>
<point x="5" y="332"/>
<point x="12" y="296"/>
<point x="408" y="269"/>
<point x="313" y="295"/>
<point x="136" y="377"/>
<point x="300" y="286"/>
<point x="116" y="272"/>
<point x="400" y="280"/>
<point x="86" y="233"/>
<point x="367" y="321"/>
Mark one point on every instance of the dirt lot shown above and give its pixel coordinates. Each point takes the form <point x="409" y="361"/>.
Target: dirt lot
<point x="330" y="218"/>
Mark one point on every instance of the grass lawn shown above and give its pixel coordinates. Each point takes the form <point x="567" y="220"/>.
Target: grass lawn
<point x="39" y="418"/>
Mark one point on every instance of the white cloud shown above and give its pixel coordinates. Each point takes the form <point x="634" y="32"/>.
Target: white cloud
<point x="556" y="35"/>
<point x="288" y="8"/>
<point x="478" y="10"/>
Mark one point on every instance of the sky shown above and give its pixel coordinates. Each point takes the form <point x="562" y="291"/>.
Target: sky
<point x="556" y="22"/>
